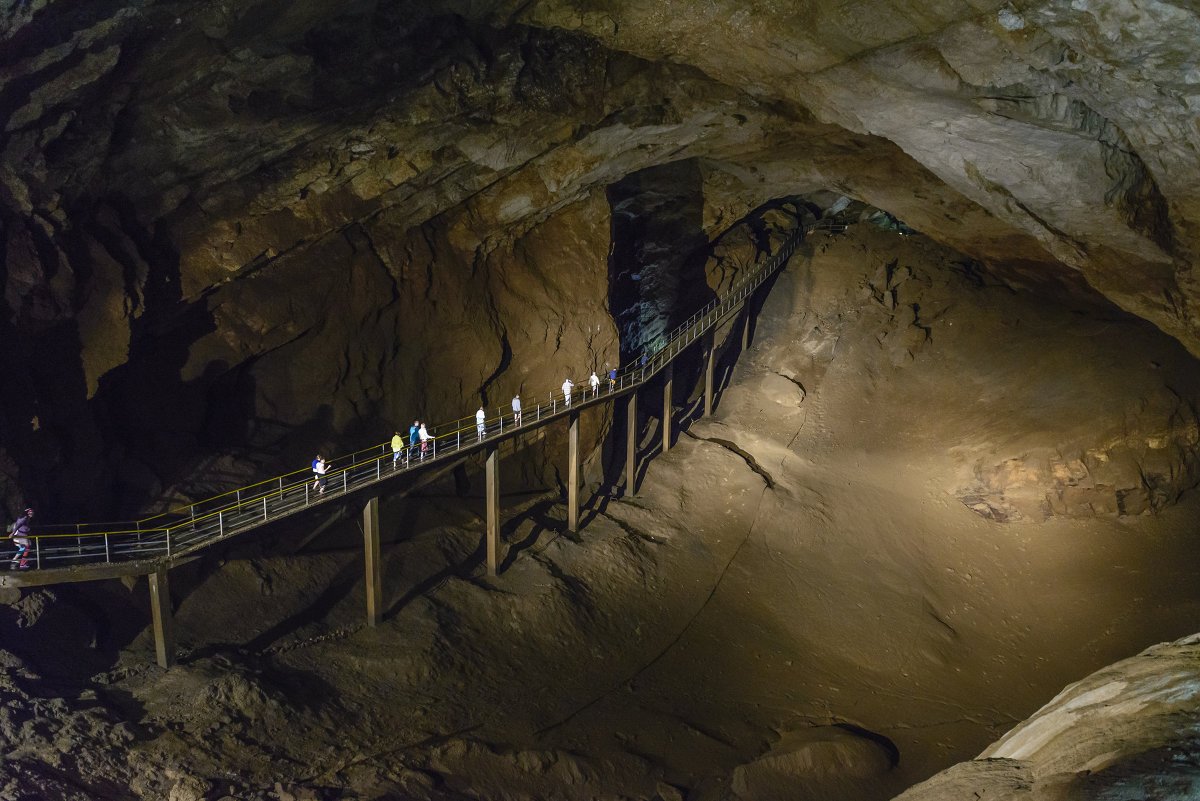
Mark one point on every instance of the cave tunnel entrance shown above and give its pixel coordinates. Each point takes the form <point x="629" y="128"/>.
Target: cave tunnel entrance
<point x="659" y="248"/>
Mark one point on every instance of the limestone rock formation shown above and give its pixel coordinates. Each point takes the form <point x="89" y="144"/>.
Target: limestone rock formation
<point x="269" y="215"/>
<point x="1129" y="730"/>
<point x="236" y="232"/>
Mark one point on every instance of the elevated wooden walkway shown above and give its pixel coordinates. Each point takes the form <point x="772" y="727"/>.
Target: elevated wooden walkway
<point x="151" y="547"/>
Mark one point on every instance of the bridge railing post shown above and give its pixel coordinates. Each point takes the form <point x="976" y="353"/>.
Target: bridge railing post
<point x="169" y="538"/>
<point x="107" y="555"/>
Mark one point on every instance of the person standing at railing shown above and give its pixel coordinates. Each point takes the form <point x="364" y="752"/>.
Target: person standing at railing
<point x="320" y="467"/>
<point x="397" y="446"/>
<point x="566" y="388"/>
<point x="612" y="379"/>
<point x="425" y="438"/>
<point x="20" y="536"/>
<point x="517" y="409"/>
<point x="594" y="383"/>
<point x="481" y="423"/>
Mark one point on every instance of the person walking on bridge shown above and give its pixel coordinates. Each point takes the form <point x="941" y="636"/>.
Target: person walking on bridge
<point x="425" y="438"/>
<point x="517" y="409"/>
<point x="397" y="446"/>
<point x="414" y="437"/>
<point x="594" y="383"/>
<point x="612" y="379"/>
<point x="566" y="388"/>
<point x="319" y="467"/>
<point x="481" y="422"/>
<point x="20" y="536"/>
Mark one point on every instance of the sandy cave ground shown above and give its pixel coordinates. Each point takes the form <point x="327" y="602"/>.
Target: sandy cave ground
<point x="795" y="579"/>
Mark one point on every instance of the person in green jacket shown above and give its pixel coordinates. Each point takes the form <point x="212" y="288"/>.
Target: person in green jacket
<point x="397" y="446"/>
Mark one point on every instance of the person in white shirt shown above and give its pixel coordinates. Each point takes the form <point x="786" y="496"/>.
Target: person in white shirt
<point x="517" y="409"/>
<point x="481" y="423"/>
<point x="567" y="390"/>
<point x="594" y="383"/>
<point x="320" y="467"/>
<point x="425" y="438"/>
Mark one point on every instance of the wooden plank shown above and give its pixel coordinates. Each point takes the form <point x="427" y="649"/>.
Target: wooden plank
<point x="371" y="561"/>
<point x="163" y="620"/>
<point x="492" y="491"/>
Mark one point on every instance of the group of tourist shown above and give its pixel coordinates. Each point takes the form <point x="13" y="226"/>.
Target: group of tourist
<point x="593" y="385"/>
<point x="420" y="443"/>
<point x="419" y="438"/>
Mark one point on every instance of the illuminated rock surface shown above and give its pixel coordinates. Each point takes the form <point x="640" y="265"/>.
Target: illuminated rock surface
<point x="1127" y="731"/>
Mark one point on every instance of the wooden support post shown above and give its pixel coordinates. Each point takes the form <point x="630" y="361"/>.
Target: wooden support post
<point x="371" y="553"/>
<point x="492" y="491"/>
<point x="709" y="351"/>
<point x="573" y="474"/>
<point x="746" y="326"/>
<point x="668" y="387"/>
<point x="161" y="617"/>
<point x="631" y="428"/>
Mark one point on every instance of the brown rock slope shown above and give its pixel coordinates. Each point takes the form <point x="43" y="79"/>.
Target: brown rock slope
<point x="800" y="602"/>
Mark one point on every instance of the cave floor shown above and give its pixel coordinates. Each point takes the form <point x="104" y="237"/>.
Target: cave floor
<point x="796" y="604"/>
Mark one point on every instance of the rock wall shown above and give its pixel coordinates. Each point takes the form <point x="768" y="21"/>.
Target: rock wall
<point x="215" y="219"/>
<point x="1072" y="123"/>
<point x="1127" y="731"/>
<point x="244" y="235"/>
<point x="1032" y="410"/>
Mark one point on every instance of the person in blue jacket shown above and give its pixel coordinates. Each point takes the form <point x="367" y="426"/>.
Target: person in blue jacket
<point x="414" y="436"/>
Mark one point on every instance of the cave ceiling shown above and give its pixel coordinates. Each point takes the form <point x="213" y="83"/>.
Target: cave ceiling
<point x="153" y="153"/>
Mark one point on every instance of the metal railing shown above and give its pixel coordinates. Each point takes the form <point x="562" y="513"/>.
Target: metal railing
<point x="186" y="529"/>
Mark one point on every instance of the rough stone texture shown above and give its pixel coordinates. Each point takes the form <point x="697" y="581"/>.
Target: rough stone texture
<point x="241" y="204"/>
<point x="1076" y="428"/>
<point x="1127" y="731"/>
<point x="237" y="231"/>
<point x="1071" y="122"/>
<point x="821" y="762"/>
<point x="793" y="599"/>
